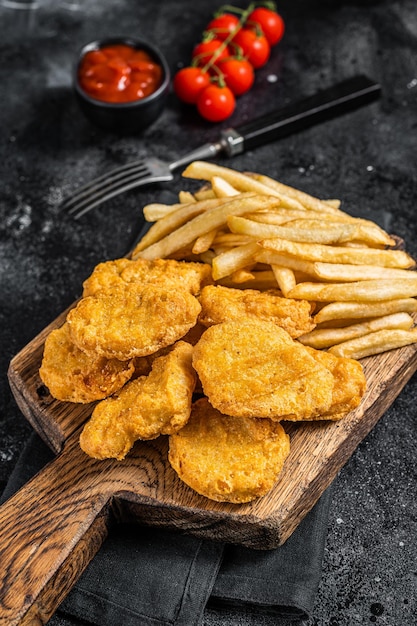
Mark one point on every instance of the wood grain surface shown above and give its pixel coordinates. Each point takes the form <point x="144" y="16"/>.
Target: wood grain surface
<point x="56" y="523"/>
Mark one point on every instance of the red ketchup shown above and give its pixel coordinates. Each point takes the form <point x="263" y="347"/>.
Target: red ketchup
<point x="119" y="73"/>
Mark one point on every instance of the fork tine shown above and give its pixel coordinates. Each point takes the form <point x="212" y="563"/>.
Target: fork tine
<point x="114" y="188"/>
<point x="137" y="167"/>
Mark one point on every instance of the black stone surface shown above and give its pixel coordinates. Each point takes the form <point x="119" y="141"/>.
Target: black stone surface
<point x="367" y="158"/>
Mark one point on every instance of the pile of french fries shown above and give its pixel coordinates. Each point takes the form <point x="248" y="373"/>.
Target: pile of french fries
<point x="259" y="233"/>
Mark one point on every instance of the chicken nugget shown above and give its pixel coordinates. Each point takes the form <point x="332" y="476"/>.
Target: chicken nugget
<point x="72" y="376"/>
<point x="104" y="276"/>
<point x="252" y="368"/>
<point x="131" y="320"/>
<point x="349" y="383"/>
<point x="190" y="276"/>
<point x="149" y="406"/>
<point x="221" y="304"/>
<point x="228" y="459"/>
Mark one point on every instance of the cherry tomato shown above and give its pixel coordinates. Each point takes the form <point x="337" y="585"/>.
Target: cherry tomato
<point x="204" y="51"/>
<point x="223" y="25"/>
<point x="238" y="75"/>
<point x="188" y="83"/>
<point x="255" y="47"/>
<point x="271" y="23"/>
<point x="216" y="103"/>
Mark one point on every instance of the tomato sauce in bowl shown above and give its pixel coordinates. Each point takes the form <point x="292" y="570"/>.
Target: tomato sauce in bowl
<point x="119" y="73"/>
<point x="121" y="84"/>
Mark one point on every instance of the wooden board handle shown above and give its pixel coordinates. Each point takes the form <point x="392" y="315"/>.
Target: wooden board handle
<point x="50" y="530"/>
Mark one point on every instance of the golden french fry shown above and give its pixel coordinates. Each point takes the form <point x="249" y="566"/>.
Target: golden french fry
<point x="337" y="254"/>
<point x="362" y="291"/>
<point x="310" y="231"/>
<point x="203" y="243"/>
<point x="185" y="197"/>
<point x="375" y="343"/>
<point x="203" y="223"/>
<point x="277" y="216"/>
<point x="280" y="215"/>
<point x="333" y="202"/>
<point x="354" y="230"/>
<point x="155" y="211"/>
<point x="221" y="188"/>
<point x="326" y="337"/>
<point x="232" y="260"/>
<point x="351" y="273"/>
<point x="242" y="276"/>
<point x="274" y="258"/>
<point x="228" y="240"/>
<point x="358" y="310"/>
<point x="285" y="278"/>
<point x="172" y="221"/>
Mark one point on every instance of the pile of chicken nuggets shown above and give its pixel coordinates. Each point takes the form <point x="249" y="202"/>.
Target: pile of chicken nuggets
<point x="163" y="350"/>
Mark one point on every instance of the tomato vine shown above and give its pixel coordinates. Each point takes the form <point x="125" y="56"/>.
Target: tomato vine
<point x="235" y="43"/>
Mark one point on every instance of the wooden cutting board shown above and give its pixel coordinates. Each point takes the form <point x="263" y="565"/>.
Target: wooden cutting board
<point x="55" y="524"/>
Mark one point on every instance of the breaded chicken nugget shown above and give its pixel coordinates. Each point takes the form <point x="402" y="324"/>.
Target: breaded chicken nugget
<point x="104" y="276"/>
<point x="190" y="276"/>
<point x="228" y="459"/>
<point x="72" y="376"/>
<point x="132" y="320"/>
<point x="221" y="304"/>
<point x="251" y="368"/>
<point x="144" y="409"/>
<point x="349" y="383"/>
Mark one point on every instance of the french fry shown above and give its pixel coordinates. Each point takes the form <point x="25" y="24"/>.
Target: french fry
<point x="156" y="211"/>
<point x="375" y="343"/>
<point x="223" y="189"/>
<point x="354" y="230"/>
<point x="234" y="259"/>
<point x="203" y="243"/>
<point x="310" y="231"/>
<point x="327" y="337"/>
<point x="203" y="223"/>
<point x="281" y="216"/>
<point x="350" y="273"/>
<point x="231" y="239"/>
<point x="185" y="197"/>
<point x="333" y="202"/>
<point x="337" y="254"/>
<point x="242" y="276"/>
<point x="294" y="263"/>
<point x="358" y="310"/>
<point x="285" y="278"/>
<point x="362" y="291"/>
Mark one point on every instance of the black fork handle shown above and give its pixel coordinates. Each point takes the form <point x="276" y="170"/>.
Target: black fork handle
<point x="322" y="106"/>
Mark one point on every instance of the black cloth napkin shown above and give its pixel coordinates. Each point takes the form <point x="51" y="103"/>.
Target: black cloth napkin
<point x="155" y="577"/>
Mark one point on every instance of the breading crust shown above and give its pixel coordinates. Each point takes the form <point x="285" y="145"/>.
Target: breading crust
<point x="228" y="459"/>
<point x="222" y="304"/>
<point x="73" y="376"/>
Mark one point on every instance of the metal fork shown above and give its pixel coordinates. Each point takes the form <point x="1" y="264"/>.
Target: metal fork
<point x="321" y="106"/>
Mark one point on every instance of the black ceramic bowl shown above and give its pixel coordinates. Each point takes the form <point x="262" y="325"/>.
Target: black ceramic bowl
<point x="125" y="117"/>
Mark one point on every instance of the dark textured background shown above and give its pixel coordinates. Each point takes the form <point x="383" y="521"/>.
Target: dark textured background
<point x="367" y="158"/>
